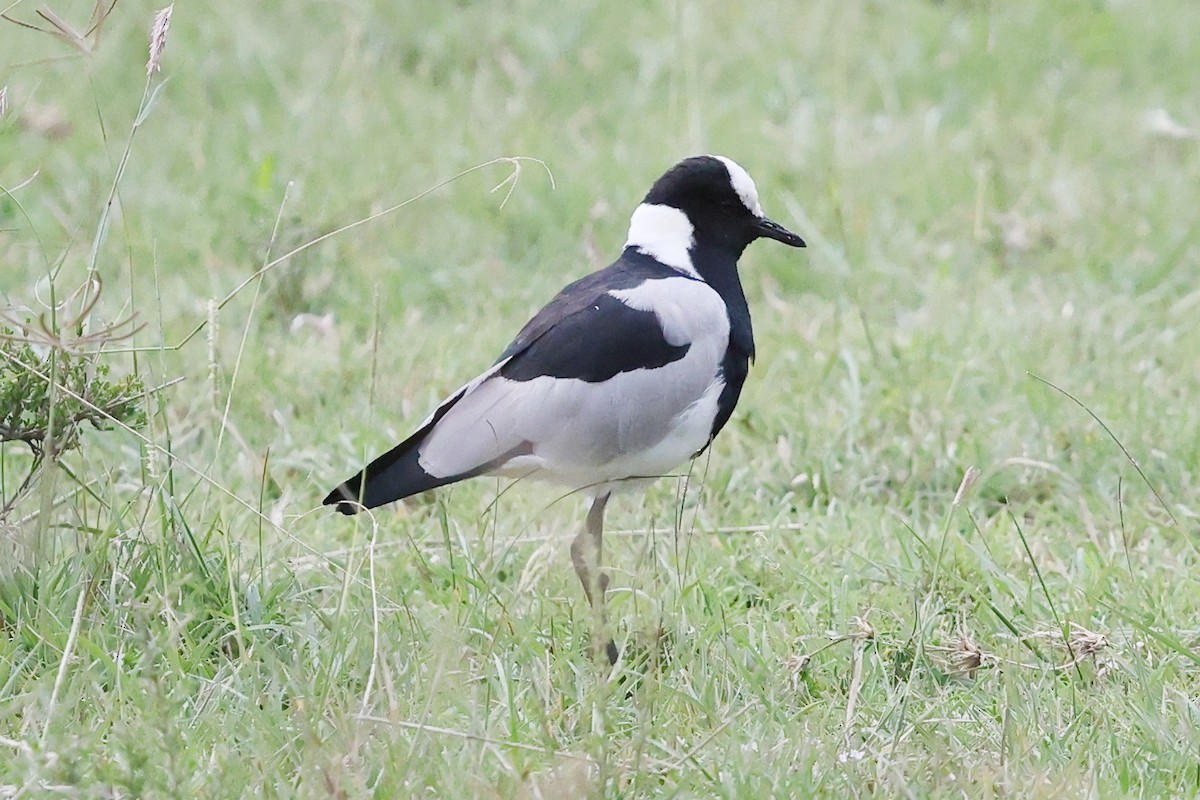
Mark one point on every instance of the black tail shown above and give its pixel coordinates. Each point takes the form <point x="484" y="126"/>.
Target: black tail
<point x="396" y="474"/>
<point x="393" y="476"/>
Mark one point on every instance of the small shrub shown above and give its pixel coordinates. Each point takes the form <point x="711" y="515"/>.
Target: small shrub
<point x="48" y="392"/>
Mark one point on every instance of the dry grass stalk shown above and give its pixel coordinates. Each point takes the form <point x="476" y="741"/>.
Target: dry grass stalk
<point x="1086" y="643"/>
<point x="862" y="630"/>
<point x="1082" y="644"/>
<point x="65" y="330"/>
<point x="797" y="665"/>
<point x="968" y="480"/>
<point x="966" y="656"/>
<point x="83" y="42"/>
<point x="860" y="633"/>
<point x="158" y="39"/>
<point x="3" y="99"/>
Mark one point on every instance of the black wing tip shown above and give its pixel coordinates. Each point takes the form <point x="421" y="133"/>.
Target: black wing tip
<point x="343" y="500"/>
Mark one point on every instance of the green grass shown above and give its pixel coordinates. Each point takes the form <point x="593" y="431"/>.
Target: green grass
<point x="983" y="203"/>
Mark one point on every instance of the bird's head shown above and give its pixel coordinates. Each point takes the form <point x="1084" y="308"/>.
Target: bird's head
<point x="707" y="202"/>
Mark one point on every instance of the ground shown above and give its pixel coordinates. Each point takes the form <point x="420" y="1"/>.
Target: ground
<point x="1000" y="205"/>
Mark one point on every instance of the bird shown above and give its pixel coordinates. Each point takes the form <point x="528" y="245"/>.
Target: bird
<point x="626" y="374"/>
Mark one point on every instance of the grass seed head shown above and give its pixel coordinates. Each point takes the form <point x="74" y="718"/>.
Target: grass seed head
<point x="158" y="39"/>
<point x="798" y="662"/>
<point x="968" y="480"/>
<point x="861" y="629"/>
<point x="1087" y="643"/>
<point x="967" y="656"/>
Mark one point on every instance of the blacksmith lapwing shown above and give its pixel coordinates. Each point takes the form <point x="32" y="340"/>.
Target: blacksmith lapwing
<point x="626" y="374"/>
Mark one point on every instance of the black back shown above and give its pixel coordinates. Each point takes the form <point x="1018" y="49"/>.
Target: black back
<point x="587" y="334"/>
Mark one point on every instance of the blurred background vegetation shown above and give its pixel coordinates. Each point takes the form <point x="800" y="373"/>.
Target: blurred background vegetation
<point x="988" y="190"/>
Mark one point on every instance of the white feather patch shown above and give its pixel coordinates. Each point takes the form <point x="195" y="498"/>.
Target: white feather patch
<point x="687" y="310"/>
<point x="663" y="233"/>
<point x="743" y="184"/>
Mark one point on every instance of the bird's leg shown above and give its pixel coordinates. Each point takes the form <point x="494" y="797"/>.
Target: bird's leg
<point x="587" y="551"/>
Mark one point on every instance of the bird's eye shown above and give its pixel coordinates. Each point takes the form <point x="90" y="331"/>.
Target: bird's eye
<point x="730" y="207"/>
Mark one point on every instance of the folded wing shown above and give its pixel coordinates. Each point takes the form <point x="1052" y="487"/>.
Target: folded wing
<point x="598" y="377"/>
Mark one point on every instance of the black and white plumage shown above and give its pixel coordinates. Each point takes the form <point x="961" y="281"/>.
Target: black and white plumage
<point x="626" y="374"/>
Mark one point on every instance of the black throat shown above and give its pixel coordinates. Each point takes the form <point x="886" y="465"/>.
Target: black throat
<point x="718" y="267"/>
